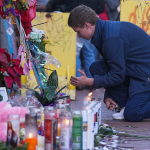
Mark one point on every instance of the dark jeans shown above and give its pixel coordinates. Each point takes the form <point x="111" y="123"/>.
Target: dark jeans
<point x="137" y="107"/>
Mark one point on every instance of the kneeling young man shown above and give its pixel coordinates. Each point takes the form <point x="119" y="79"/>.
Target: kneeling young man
<point x="125" y="69"/>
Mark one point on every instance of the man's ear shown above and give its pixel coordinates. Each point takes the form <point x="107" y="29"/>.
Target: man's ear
<point x="87" y="25"/>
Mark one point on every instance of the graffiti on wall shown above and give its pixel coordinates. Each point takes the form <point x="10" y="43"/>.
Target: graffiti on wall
<point x="137" y="12"/>
<point x="57" y="30"/>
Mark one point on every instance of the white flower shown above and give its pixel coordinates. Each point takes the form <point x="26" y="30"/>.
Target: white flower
<point x="41" y="31"/>
<point x="32" y="35"/>
<point x="105" y="125"/>
<point x="38" y="31"/>
<point x="38" y="40"/>
<point x="22" y="130"/>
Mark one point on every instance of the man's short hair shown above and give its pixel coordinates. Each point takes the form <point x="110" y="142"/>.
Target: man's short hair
<point x="80" y="15"/>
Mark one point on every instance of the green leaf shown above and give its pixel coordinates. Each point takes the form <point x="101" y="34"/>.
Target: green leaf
<point x="98" y="138"/>
<point x="21" y="148"/>
<point x="1" y="97"/>
<point x="60" y="90"/>
<point x="53" y="79"/>
<point x="3" y="146"/>
<point x="49" y="92"/>
<point x="38" y="96"/>
<point x="106" y="131"/>
<point x="19" y="6"/>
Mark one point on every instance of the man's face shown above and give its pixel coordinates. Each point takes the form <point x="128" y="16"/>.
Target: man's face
<point x="86" y="32"/>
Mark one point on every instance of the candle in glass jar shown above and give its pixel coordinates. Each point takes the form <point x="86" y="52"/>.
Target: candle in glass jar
<point x="32" y="142"/>
<point x="66" y="132"/>
<point x="13" y="128"/>
<point x="77" y="131"/>
<point x="31" y="131"/>
<point x="89" y="97"/>
<point x="50" y="128"/>
<point x="58" y="128"/>
<point x="84" y="129"/>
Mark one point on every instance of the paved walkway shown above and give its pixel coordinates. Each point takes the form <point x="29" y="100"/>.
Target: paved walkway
<point x="142" y="128"/>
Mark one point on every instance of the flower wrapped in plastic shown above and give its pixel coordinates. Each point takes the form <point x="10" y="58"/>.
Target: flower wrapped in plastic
<point x="28" y="15"/>
<point x="42" y="58"/>
<point x="38" y="38"/>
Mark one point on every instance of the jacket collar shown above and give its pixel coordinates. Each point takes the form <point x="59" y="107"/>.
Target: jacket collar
<point x="98" y="35"/>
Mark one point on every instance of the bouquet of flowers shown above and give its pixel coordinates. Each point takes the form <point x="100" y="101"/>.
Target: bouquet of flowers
<point x="38" y="38"/>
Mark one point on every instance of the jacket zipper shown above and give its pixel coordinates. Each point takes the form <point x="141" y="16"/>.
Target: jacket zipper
<point x="142" y="73"/>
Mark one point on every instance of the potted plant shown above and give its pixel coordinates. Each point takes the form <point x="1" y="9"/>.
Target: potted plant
<point x="49" y="94"/>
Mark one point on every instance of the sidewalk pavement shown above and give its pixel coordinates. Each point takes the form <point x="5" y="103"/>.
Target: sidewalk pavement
<point x="142" y="128"/>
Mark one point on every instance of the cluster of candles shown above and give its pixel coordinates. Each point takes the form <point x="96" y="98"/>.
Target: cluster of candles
<point x="91" y="119"/>
<point x="63" y="128"/>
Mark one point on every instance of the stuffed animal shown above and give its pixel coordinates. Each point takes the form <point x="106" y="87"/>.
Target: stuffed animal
<point x="4" y="105"/>
<point x="5" y="110"/>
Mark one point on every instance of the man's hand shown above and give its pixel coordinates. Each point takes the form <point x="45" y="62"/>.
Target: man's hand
<point x="110" y="104"/>
<point x="81" y="81"/>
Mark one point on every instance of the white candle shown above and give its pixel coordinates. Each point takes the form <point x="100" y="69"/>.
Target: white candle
<point x="85" y="128"/>
<point x="89" y="131"/>
<point x="68" y="72"/>
<point x="66" y="132"/>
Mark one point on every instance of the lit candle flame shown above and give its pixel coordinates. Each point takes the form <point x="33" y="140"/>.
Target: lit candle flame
<point x="90" y="94"/>
<point x="67" y="122"/>
<point x="30" y="135"/>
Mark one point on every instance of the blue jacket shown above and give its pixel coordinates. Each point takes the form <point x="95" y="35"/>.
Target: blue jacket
<point x="126" y="49"/>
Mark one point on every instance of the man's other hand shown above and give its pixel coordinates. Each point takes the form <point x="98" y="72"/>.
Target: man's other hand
<point x="110" y="104"/>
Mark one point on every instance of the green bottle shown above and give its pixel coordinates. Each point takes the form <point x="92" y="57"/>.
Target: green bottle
<point x="77" y="131"/>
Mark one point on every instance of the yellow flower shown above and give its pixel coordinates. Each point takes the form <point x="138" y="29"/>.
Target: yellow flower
<point x="24" y="1"/>
<point x="46" y="41"/>
<point x="8" y="6"/>
<point x="13" y="18"/>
